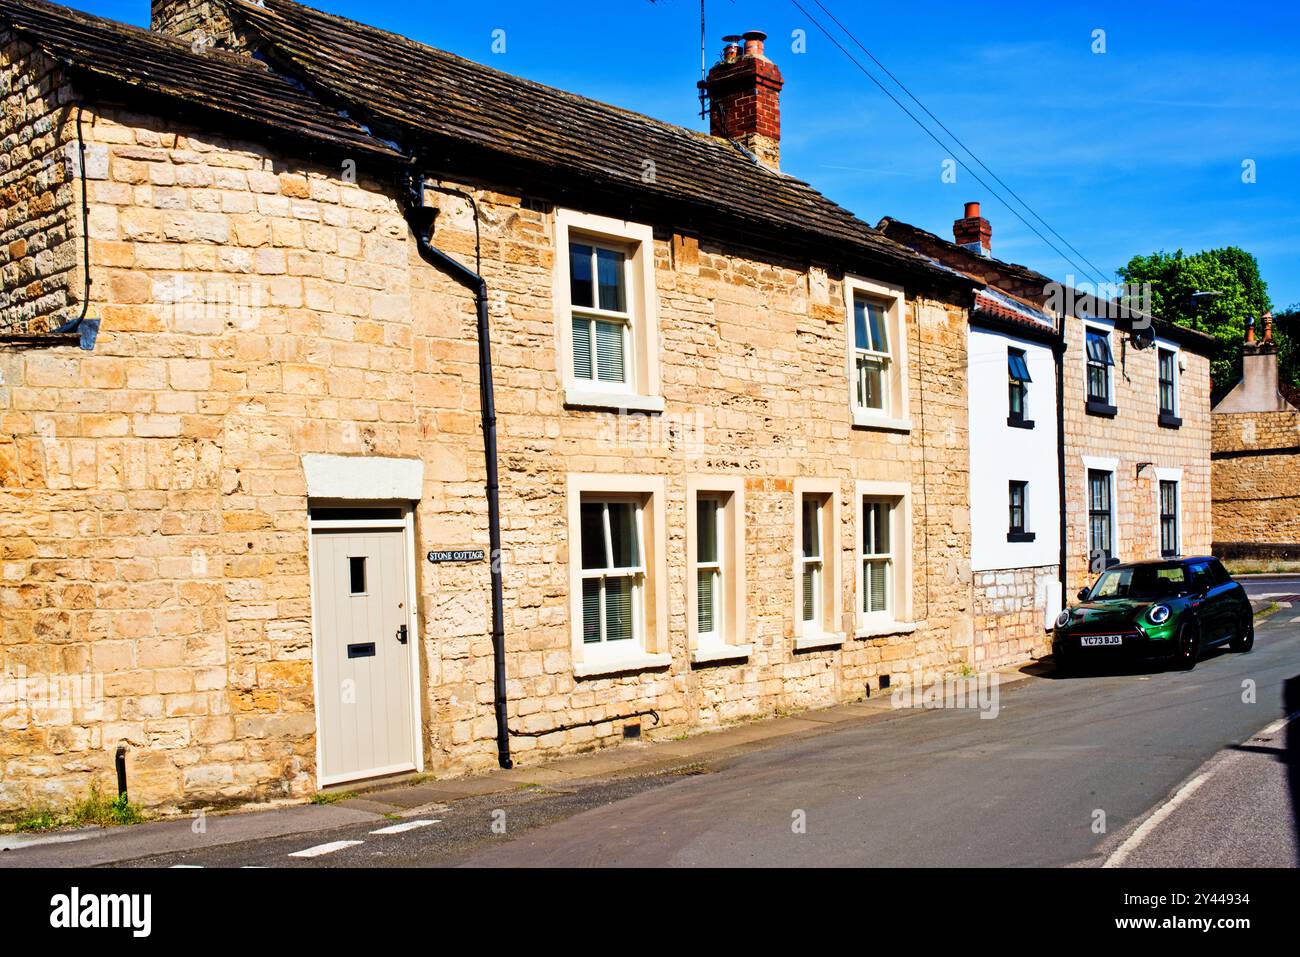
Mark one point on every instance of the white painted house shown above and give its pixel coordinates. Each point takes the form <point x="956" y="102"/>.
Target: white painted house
<point x="1014" y="467"/>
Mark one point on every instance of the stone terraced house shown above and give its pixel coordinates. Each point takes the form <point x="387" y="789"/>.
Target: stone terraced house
<point x="257" y="453"/>
<point x="365" y="410"/>
<point x="1133" y="400"/>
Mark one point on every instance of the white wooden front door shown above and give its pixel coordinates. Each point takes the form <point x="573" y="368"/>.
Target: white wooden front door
<point x="364" y="652"/>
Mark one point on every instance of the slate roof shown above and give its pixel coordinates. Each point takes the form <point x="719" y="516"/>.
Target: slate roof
<point x="128" y="58"/>
<point x="1021" y="278"/>
<point x="440" y="105"/>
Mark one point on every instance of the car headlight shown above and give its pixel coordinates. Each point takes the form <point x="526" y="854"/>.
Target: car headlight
<point x="1159" y="614"/>
<point x="1063" y="618"/>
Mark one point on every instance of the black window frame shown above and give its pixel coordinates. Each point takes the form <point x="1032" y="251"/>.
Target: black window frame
<point x="1018" y="512"/>
<point x="1108" y="513"/>
<point x="1018" y="380"/>
<point x="1168" y="414"/>
<point x="1169" y="521"/>
<point x="1099" y="360"/>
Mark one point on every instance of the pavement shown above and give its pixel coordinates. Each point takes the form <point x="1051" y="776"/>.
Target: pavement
<point x="1070" y="772"/>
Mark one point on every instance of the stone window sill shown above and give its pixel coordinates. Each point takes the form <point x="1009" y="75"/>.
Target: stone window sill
<point x="1103" y="409"/>
<point x="578" y="398"/>
<point x="1170" y="421"/>
<point x="1020" y="536"/>
<point x="711" y="653"/>
<point x="864" y="419"/>
<point x="615" y="666"/>
<point x="820" y="639"/>
<point x="879" y="629"/>
<point x="1016" y="423"/>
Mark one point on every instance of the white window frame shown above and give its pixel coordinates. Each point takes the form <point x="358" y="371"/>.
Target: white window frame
<point x="1090" y="464"/>
<point x="1175" y="476"/>
<point x="641" y="390"/>
<point x="730" y="641"/>
<point x="895" y="417"/>
<point x="1178" y="377"/>
<point x="1106" y="331"/>
<point x="827" y="632"/>
<point x="897" y="618"/>
<point x="635" y="572"/>
<point x="648" y="647"/>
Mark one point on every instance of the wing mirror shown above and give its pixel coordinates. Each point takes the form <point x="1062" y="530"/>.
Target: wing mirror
<point x="1083" y="594"/>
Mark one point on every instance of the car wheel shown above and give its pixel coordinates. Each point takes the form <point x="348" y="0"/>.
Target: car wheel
<point x="1189" y="647"/>
<point x="1244" y="639"/>
<point x="1066" y="664"/>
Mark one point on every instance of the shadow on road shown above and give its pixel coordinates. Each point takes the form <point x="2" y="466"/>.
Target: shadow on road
<point x="1047" y="667"/>
<point x="1289" y="754"/>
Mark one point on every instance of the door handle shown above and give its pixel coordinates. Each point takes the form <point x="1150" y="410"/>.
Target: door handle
<point x="401" y="634"/>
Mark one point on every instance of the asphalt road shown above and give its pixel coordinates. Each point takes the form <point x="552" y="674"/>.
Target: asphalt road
<point x="1062" y="776"/>
<point x="1272" y="586"/>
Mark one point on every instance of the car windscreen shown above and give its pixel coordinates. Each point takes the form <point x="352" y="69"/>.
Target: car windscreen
<point x="1143" y="582"/>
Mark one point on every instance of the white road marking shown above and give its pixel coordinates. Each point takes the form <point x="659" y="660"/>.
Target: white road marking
<point x="329" y="848"/>
<point x="404" y="826"/>
<point x="1296" y="620"/>
<point x="1186" y="791"/>
<point x="1151" y="823"/>
<point x="195" y="867"/>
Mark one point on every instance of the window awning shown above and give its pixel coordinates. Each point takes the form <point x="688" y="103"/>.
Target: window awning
<point x="1099" y="349"/>
<point x="1017" y="367"/>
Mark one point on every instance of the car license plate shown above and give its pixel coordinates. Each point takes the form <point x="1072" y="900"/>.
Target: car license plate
<point x="1094" y="641"/>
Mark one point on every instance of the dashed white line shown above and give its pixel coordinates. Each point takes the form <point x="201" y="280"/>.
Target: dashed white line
<point x="329" y="848"/>
<point x="403" y="827"/>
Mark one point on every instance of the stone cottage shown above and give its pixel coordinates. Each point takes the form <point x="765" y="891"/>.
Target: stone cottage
<point x="367" y="410"/>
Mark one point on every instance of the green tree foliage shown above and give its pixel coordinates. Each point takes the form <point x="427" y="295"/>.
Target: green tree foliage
<point x="1231" y="272"/>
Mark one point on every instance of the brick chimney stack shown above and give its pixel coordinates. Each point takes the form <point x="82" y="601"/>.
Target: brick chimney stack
<point x="973" y="231"/>
<point x="744" y="90"/>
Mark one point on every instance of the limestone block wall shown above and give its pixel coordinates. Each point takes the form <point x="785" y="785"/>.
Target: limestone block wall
<point x="1256" y="475"/>
<point x="1012" y="606"/>
<point x="1139" y="445"/>
<point x="40" y="274"/>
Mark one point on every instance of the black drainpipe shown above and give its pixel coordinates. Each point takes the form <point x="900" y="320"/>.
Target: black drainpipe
<point x="1060" y="461"/>
<point x="420" y="218"/>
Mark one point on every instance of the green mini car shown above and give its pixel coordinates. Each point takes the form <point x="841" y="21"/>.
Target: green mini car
<point x="1171" y="609"/>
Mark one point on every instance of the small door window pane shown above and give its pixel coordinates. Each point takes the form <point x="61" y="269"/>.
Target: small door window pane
<point x="357" y="575"/>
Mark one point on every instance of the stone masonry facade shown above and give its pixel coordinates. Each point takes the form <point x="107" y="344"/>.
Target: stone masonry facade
<point x="1138" y="446"/>
<point x="38" y="247"/>
<point x="1256" y="501"/>
<point x="257" y="307"/>
<point x="1011" y="608"/>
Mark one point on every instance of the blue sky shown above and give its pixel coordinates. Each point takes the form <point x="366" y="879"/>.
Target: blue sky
<point x="1128" y="151"/>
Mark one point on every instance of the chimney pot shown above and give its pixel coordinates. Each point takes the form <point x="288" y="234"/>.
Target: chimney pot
<point x="1268" y="327"/>
<point x="1250" y="330"/>
<point x="744" y="91"/>
<point x="973" y="231"/>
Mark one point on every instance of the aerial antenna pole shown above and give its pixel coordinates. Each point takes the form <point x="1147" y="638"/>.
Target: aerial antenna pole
<point x="704" y="109"/>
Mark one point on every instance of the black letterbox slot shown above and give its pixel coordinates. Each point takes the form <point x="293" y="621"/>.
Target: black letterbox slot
<point x="366" y="650"/>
